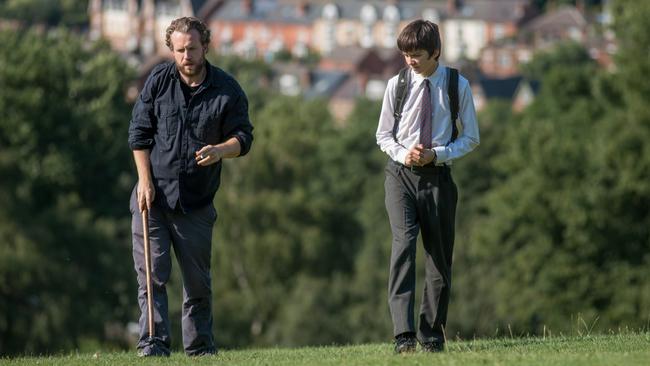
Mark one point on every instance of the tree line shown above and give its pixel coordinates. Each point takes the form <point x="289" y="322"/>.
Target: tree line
<point x="553" y="229"/>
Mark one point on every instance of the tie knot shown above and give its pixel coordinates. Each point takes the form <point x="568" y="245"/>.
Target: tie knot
<point x="426" y="83"/>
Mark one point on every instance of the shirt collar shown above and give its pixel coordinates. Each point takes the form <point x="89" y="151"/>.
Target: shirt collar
<point x="440" y="70"/>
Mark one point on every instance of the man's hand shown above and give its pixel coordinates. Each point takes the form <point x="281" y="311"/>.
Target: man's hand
<point x="208" y="155"/>
<point x="419" y="156"/>
<point x="146" y="194"/>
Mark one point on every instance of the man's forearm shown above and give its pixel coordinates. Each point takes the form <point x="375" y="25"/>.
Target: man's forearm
<point x="230" y="148"/>
<point x="142" y="164"/>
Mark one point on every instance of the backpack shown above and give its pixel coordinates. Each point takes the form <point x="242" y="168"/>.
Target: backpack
<point x="403" y="81"/>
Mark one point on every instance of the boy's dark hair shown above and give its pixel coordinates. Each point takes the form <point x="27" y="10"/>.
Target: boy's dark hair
<point x="184" y="25"/>
<point x="420" y="35"/>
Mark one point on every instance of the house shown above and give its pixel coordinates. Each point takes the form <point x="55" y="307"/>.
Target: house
<point x="563" y="24"/>
<point x="516" y="90"/>
<point x="138" y="26"/>
<point x="466" y="26"/>
<point x="471" y="25"/>
<point x="525" y="94"/>
<point x="341" y="77"/>
<point x="368" y="24"/>
<point x="262" y="28"/>
<point x="487" y="89"/>
<point x="367" y="71"/>
<point x="355" y="39"/>
<point x="502" y="58"/>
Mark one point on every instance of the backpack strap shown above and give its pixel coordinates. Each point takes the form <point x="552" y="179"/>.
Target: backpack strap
<point x="403" y="81"/>
<point x="452" y="92"/>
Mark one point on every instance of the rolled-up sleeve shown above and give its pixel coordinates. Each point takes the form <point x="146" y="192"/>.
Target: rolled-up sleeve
<point x="143" y="120"/>
<point x="237" y="124"/>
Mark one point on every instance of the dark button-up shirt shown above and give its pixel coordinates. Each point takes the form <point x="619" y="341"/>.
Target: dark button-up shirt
<point x="174" y="130"/>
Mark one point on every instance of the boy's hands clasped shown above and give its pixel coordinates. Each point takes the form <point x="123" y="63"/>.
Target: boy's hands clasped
<point x="419" y="156"/>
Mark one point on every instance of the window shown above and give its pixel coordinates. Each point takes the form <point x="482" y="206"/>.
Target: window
<point x="168" y="8"/>
<point x="289" y="84"/>
<point x="524" y="56"/>
<point x="431" y="15"/>
<point x="330" y="12"/>
<point x="504" y="59"/>
<point x="499" y="31"/>
<point x="575" y="34"/>
<point x="391" y="24"/>
<point x="115" y="5"/>
<point x="375" y="89"/>
<point x="488" y="56"/>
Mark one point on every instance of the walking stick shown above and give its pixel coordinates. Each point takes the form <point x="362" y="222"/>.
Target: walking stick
<point x="147" y="266"/>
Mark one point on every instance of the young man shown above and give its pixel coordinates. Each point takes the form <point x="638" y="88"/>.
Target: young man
<point x="420" y="193"/>
<point x="189" y="116"/>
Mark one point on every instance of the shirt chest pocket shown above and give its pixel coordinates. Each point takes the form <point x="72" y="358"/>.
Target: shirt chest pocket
<point x="167" y="120"/>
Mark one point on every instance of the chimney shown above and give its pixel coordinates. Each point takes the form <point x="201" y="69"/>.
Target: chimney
<point x="247" y="7"/>
<point x="580" y="5"/>
<point x="302" y="8"/>
<point x="452" y="6"/>
<point x="520" y="10"/>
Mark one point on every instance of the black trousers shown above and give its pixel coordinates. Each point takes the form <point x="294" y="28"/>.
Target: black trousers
<point x="420" y="199"/>
<point x="190" y="235"/>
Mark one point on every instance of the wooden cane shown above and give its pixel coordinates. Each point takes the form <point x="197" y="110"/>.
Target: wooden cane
<point x="147" y="266"/>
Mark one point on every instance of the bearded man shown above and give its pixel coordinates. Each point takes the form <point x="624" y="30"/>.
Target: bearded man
<point x="189" y="116"/>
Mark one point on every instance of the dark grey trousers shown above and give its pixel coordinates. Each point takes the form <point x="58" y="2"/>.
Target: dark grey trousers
<point x="420" y="200"/>
<point x="190" y="235"/>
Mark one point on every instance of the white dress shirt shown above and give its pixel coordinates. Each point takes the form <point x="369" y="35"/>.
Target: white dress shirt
<point x="408" y="133"/>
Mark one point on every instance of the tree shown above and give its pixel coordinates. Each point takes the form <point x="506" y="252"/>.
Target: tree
<point x="562" y="234"/>
<point x="274" y="228"/>
<point x="65" y="268"/>
<point x="72" y="13"/>
<point x="567" y="54"/>
<point x="362" y="166"/>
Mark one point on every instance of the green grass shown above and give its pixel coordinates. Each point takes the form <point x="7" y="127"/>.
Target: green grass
<point x="620" y="349"/>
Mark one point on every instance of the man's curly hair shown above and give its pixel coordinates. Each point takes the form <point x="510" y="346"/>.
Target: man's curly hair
<point x="184" y="25"/>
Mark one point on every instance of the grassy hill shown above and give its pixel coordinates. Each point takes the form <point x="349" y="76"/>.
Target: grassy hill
<point x="620" y="349"/>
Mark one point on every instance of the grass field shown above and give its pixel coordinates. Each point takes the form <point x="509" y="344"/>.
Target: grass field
<point x="621" y="349"/>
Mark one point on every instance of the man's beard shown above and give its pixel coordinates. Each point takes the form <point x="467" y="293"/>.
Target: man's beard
<point x="195" y="70"/>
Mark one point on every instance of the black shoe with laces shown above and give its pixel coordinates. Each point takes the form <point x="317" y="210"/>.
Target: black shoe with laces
<point x="432" y="346"/>
<point x="405" y="343"/>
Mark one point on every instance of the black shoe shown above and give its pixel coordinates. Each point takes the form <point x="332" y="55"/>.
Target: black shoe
<point x="433" y="346"/>
<point x="152" y="351"/>
<point x="405" y="343"/>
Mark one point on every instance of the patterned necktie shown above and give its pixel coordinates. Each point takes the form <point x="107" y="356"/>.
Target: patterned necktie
<point x="426" y="118"/>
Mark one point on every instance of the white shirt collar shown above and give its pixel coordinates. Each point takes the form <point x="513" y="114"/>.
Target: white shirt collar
<point x="418" y="78"/>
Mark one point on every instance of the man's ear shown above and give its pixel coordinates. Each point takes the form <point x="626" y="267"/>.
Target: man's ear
<point x="435" y="54"/>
